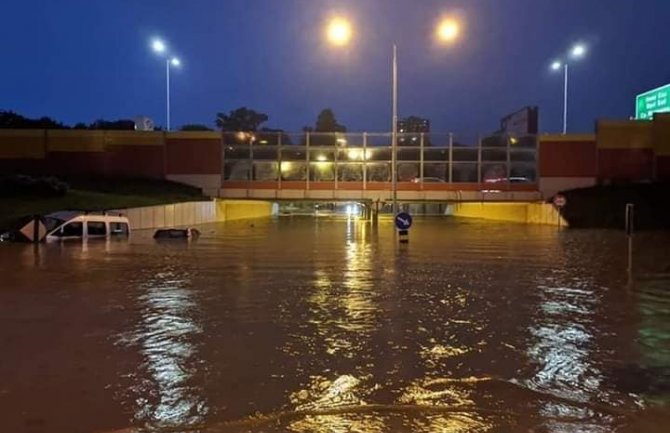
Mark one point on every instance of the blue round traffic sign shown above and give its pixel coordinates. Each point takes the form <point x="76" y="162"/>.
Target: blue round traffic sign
<point x="403" y="221"/>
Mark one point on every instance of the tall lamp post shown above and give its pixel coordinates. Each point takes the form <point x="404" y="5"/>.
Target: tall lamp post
<point x="339" y="33"/>
<point x="170" y="61"/>
<point x="577" y="52"/>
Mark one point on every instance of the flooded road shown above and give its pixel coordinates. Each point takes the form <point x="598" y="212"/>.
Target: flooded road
<point x="306" y="325"/>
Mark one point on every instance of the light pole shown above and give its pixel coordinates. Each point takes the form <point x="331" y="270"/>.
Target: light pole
<point x="160" y="48"/>
<point x="577" y="52"/>
<point x="339" y="33"/>
<point x="394" y="131"/>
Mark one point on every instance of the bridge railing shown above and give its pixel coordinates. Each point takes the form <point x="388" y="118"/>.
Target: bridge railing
<point x="362" y="160"/>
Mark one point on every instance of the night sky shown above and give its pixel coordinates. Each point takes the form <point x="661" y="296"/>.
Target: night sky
<point x="79" y="60"/>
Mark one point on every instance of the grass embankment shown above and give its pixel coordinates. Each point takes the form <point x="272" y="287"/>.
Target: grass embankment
<point x="605" y="206"/>
<point x="96" y="195"/>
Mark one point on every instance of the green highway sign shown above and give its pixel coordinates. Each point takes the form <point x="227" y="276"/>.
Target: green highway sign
<point x="653" y="101"/>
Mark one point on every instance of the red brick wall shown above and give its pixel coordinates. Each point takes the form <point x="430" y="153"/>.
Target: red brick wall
<point x="193" y="156"/>
<point x="568" y="158"/>
<point x="75" y="164"/>
<point x="663" y="167"/>
<point x="625" y="164"/>
<point x="135" y="161"/>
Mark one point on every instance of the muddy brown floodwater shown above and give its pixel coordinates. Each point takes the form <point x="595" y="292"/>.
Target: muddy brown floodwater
<point x="317" y="325"/>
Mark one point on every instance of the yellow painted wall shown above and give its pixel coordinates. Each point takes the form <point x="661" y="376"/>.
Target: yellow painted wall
<point x="231" y="210"/>
<point x="624" y="134"/>
<point x="22" y="143"/>
<point x="194" y="213"/>
<point x="134" y="138"/>
<point x="661" y="130"/>
<point x="75" y="141"/>
<point x="526" y="213"/>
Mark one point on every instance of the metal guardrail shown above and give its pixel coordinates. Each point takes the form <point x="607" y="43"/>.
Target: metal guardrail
<point x="422" y="158"/>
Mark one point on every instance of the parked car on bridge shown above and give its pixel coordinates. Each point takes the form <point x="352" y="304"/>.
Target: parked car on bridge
<point x="428" y="180"/>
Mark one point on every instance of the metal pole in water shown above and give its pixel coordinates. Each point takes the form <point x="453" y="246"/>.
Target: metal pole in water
<point x="394" y="133"/>
<point x="630" y="227"/>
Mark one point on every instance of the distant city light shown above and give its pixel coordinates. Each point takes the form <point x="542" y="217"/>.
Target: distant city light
<point x="175" y="61"/>
<point x="158" y="46"/>
<point x="556" y="66"/>
<point x="448" y="30"/>
<point x="578" y="51"/>
<point x="321" y="158"/>
<point x="339" y="31"/>
<point x="355" y="154"/>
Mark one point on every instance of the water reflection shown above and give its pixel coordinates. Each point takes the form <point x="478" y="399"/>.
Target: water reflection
<point x="329" y="326"/>
<point x="343" y="311"/>
<point x="563" y="329"/>
<point x="652" y="377"/>
<point x="168" y="394"/>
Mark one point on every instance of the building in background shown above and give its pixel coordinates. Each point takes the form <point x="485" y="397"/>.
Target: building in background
<point x="520" y="123"/>
<point x="410" y="130"/>
<point x="413" y="124"/>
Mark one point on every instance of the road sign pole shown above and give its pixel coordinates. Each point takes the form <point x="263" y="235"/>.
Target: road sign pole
<point x="559" y="202"/>
<point x="630" y="228"/>
<point x="403" y="221"/>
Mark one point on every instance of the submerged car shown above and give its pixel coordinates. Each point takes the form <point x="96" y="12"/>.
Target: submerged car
<point x="73" y="225"/>
<point x="67" y="225"/>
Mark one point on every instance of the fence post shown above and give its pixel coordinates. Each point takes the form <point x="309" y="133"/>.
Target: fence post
<point x="308" y="170"/>
<point x="421" y="161"/>
<point x="451" y="157"/>
<point x="365" y="161"/>
<point x="479" y="160"/>
<point x="279" y="145"/>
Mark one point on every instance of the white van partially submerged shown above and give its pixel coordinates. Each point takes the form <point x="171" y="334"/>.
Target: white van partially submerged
<point x="78" y="225"/>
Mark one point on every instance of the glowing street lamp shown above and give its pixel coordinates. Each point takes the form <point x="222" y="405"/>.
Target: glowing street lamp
<point x="339" y="33"/>
<point x="159" y="47"/>
<point x="448" y="30"/>
<point x="577" y="52"/>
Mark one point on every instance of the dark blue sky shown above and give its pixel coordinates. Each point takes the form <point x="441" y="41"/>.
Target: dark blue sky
<point x="78" y="60"/>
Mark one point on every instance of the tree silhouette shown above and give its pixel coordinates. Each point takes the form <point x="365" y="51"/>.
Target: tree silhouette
<point x="326" y="122"/>
<point x="118" y="125"/>
<point x="241" y="119"/>
<point x="327" y="129"/>
<point x="195" y="127"/>
<point x="10" y="119"/>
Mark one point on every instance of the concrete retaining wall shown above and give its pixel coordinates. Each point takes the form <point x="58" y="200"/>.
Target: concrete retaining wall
<point x="231" y="210"/>
<point x="194" y="213"/>
<point x="527" y="213"/>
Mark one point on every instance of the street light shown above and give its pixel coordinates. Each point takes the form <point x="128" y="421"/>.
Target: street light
<point x="448" y="30"/>
<point x="159" y="47"/>
<point x="577" y="52"/>
<point x="339" y="33"/>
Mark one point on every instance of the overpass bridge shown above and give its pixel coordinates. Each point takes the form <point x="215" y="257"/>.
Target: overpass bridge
<point x="379" y="191"/>
<point x="339" y="167"/>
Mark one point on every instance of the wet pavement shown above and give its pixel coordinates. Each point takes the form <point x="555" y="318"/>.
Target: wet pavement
<point x="320" y="325"/>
